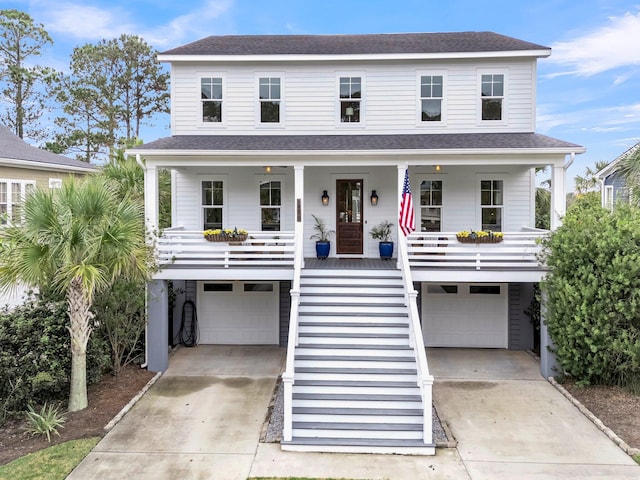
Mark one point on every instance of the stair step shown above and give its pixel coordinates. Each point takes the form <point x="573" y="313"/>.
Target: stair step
<point x="349" y="358"/>
<point x="331" y="323"/>
<point x="355" y="377"/>
<point x="353" y="335"/>
<point x="339" y="329"/>
<point x="384" y="427"/>
<point x="354" y="320"/>
<point x="366" y="442"/>
<point x="355" y="346"/>
<point x="370" y="342"/>
<point x="357" y="313"/>
<point x="404" y="434"/>
<point x="356" y="397"/>
<point x="357" y="411"/>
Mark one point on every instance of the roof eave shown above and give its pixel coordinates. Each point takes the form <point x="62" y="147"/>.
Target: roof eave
<point x="35" y="165"/>
<point x="173" y="58"/>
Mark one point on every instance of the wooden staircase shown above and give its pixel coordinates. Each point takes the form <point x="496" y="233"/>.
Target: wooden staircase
<point x="355" y="383"/>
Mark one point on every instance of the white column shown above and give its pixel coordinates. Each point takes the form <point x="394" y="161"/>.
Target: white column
<point x="558" y="196"/>
<point x="299" y="208"/>
<point x="151" y="198"/>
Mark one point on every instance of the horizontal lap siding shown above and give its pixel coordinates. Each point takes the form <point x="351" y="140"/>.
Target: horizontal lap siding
<point x="390" y="100"/>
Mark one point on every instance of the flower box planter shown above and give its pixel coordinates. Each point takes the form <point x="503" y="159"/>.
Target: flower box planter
<point x="223" y="237"/>
<point x="475" y="239"/>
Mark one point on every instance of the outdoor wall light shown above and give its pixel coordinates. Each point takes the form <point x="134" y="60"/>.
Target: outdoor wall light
<point x="325" y="198"/>
<point x="267" y="169"/>
<point x="374" y="198"/>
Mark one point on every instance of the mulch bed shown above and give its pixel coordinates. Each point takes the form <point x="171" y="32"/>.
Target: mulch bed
<point x="106" y="398"/>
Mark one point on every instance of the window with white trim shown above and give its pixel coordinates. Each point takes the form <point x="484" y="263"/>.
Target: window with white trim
<point x="270" y="205"/>
<point x="269" y="96"/>
<point x="12" y="195"/>
<point x="431" y="97"/>
<point x="491" y="204"/>
<point x="211" y="99"/>
<point x="350" y="99"/>
<point x="608" y="197"/>
<point x="492" y="96"/>
<point x="212" y="203"/>
<point x="431" y="206"/>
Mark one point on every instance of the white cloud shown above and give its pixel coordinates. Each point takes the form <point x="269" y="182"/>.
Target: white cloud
<point x="612" y="46"/>
<point x="621" y="118"/>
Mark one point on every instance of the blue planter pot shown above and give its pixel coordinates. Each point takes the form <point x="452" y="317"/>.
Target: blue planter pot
<point x="322" y="249"/>
<point x="386" y="250"/>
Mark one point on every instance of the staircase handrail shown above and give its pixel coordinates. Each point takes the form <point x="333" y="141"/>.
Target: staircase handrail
<point x="425" y="379"/>
<point x="292" y="342"/>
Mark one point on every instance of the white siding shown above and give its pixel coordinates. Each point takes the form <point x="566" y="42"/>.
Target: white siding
<point x="390" y="97"/>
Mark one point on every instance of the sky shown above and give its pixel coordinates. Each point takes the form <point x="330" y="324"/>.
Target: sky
<point x="588" y="90"/>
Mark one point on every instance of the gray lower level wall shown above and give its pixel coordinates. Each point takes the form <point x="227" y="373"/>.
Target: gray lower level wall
<point x="521" y="334"/>
<point x="157" y="338"/>
<point x="285" y="309"/>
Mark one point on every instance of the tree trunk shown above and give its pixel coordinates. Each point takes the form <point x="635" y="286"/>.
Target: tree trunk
<point x="80" y="329"/>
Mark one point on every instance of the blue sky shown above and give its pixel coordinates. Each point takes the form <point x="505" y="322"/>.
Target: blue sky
<point x="588" y="90"/>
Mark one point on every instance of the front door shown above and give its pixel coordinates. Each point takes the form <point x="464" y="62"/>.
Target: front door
<point x="349" y="216"/>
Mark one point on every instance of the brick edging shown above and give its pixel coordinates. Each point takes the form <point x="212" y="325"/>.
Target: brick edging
<point x="596" y="421"/>
<point x="131" y="403"/>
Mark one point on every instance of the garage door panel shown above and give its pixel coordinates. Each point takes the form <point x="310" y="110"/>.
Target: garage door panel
<point x="463" y="319"/>
<point x="238" y="317"/>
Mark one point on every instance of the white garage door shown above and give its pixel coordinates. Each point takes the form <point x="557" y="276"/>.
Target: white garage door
<point x="465" y="315"/>
<point x="238" y="313"/>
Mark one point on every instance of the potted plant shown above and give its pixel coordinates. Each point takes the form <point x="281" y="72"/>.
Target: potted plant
<point x="322" y="237"/>
<point x="382" y="232"/>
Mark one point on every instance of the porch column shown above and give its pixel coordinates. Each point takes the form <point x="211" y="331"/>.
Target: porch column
<point x="157" y="334"/>
<point x="299" y="209"/>
<point x="150" y="196"/>
<point x="549" y="366"/>
<point x="558" y="196"/>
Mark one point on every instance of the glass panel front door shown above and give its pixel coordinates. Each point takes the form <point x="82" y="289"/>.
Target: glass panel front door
<point x="349" y="219"/>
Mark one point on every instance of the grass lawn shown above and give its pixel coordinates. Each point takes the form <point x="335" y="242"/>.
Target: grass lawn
<point x="637" y="458"/>
<point x="53" y="463"/>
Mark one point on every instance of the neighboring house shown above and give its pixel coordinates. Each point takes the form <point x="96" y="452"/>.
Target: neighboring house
<point x="23" y="168"/>
<point x="613" y="188"/>
<point x="269" y="131"/>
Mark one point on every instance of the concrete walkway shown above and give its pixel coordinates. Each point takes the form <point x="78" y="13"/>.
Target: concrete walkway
<point x="203" y="418"/>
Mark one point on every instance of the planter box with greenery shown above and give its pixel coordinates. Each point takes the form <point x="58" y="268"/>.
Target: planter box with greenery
<point x="322" y="237"/>
<point x="382" y="232"/>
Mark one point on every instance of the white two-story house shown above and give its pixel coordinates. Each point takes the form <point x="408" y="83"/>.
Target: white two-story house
<point x="269" y="132"/>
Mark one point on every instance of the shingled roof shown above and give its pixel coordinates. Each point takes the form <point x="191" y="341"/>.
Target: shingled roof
<point x="13" y="147"/>
<point x="451" y="141"/>
<point x="394" y="43"/>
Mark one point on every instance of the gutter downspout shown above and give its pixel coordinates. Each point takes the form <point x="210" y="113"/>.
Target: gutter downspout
<point x="572" y="157"/>
<point x="146" y="293"/>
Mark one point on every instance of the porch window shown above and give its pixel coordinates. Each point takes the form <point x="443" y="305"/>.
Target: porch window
<point x="491" y="201"/>
<point x="269" y="97"/>
<point x="270" y="204"/>
<point x="492" y="96"/>
<point x="212" y="203"/>
<point x="350" y="98"/>
<point x="12" y="195"/>
<point x="431" y="93"/>
<point x="431" y="206"/>
<point x="211" y="95"/>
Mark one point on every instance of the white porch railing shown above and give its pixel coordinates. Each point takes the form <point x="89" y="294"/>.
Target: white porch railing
<point x="518" y="250"/>
<point x="425" y="379"/>
<point x="186" y="248"/>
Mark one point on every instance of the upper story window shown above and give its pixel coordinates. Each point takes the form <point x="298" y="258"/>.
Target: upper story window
<point x="55" y="183"/>
<point x="270" y="97"/>
<point x="211" y="95"/>
<point x="12" y="195"/>
<point x="431" y="206"/>
<point x="491" y="204"/>
<point x="270" y="204"/>
<point x="212" y="203"/>
<point x="431" y="97"/>
<point x="492" y="96"/>
<point x="350" y="99"/>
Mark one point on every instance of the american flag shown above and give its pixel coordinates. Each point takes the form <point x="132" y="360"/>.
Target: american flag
<point x="407" y="216"/>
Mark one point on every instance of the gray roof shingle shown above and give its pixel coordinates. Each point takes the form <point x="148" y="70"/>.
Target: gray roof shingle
<point x="388" y="43"/>
<point x="13" y="147"/>
<point x="443" y="141"/>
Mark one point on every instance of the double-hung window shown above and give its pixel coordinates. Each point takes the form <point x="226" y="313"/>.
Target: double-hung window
<point x="12" y="195"/>
<point x="212" y="203"/>
<point x="492" y="204"/>
<point x="270" y="204"/>
<point x="431" y="206"/>
<point x="211" y="99"/>
<point x="492" y="96"/>
<point x="270" y="97"/>
<point x="431" y="96"/>
<point x="350" y="99"/>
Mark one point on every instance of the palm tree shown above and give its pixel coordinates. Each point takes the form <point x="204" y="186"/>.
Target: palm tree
<point x="589" y="182"/>
<point x="629" y="167"/>
<point x="76" y="240"/>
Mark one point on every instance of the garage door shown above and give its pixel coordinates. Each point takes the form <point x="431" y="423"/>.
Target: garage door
<point x="465" y="315"/>
<point x="238" y="313"/>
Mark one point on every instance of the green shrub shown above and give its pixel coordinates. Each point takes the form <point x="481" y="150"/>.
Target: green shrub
<point x="45" y="422"/>
<point x="593" y="294"/>
<point x="35" y="356"/>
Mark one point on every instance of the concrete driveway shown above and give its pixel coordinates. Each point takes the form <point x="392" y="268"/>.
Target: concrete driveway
<point x="203" y="418"/>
